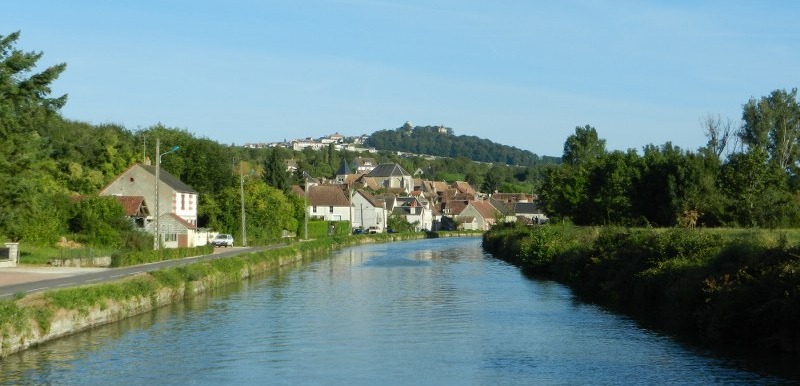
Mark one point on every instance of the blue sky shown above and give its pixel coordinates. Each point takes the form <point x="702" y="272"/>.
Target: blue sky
<point x="520" y="73"/>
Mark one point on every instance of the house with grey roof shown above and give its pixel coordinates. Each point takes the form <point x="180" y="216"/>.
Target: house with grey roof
<point x="531" y="212"/>
<point x="177" y="203"/>
<point x="391" y="177"/>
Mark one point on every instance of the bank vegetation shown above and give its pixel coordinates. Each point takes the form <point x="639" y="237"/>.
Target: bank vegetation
<point x="718" y="287"/>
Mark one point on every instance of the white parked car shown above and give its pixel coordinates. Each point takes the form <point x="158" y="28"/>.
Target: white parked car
<point x="222" y="240"/>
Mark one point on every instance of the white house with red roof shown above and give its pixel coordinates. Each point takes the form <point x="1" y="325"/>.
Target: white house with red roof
<point x="328" y="202"/>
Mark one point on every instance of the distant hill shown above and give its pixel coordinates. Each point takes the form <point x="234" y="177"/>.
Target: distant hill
<point x="440" y="141"/>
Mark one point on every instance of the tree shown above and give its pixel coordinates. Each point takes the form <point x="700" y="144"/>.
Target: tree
<point x="100" y="219"/>
<point x="399" y="223"/>
<point x="25" y="167"/>
<point x="583" y="147"/>
<point x="757" y="189"/>
<point x="275" y="173"/>
<point x="773" y="124"/>
<point x="564" y="192"/>
<point x="494" y="178"/>
<point x="269" y="212"/>
<point x="718" y="131"/>
<point x="610" y="185"/>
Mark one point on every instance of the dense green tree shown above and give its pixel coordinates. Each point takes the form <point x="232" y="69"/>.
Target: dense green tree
<point x="772" y="123"/>
<point x="584" y="147"/>
<point x="758" y="190"/>
<point x="275" y="173"/>
<point x="267" y="212"/>
<point x="495" y="177"/>
<point x="100" y="220"/>
<point x="564" y="192"/>
<point x="25" y="168"/>
<point x="610" y="186"/>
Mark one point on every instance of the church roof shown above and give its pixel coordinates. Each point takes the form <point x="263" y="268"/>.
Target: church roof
<point x="388" y="170"/>
<point x="344" y="169"/>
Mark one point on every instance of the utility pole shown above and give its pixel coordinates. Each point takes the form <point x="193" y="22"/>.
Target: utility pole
<point x="157" y="230"/>
<point x="241" y="187"/>
<point x="158" y="181"/>
<point x="305" y="209"/>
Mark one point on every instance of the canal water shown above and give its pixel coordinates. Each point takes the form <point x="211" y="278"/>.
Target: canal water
<point x="429" y="312"/>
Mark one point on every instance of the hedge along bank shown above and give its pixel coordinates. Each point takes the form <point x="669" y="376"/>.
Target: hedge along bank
<point x="40" y="317"/>
<point x="733" y="288"/>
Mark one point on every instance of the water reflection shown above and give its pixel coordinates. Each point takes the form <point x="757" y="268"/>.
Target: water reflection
<point x="433" y="312"/>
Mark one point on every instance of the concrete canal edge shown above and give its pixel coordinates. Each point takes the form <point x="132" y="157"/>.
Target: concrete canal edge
<point x="42" y="324"/>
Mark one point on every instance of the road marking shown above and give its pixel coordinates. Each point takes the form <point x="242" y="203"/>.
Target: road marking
<point x="36" y="289"/>
<point x="90" y="280"/>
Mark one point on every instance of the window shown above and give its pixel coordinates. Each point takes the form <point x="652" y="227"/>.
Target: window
<point x="314" y="209"/>
<point x="330" y="209"/>
<point x="183" y="201"/>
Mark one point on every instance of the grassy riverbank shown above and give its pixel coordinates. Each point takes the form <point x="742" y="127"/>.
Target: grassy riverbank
<point x="734" y="288"/>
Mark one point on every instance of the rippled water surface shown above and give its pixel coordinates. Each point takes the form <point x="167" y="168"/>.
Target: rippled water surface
<point x="431" y="312"/>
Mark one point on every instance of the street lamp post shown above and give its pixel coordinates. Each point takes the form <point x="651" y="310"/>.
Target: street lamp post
<point x="244" y="223"/>
<point x="158" y="180"/>
<point x="305" y="204"/>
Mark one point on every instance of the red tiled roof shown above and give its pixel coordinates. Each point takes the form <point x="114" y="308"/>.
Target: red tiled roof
<point x="484" y="208"/>
<point x="327" y="195"/>
<point x="131" y="204"/>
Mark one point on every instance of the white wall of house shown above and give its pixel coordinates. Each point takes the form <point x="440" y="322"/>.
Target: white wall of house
<point x="185" y="206"/>
<point x="422" y="217"/>
<point x="366" y="215"/>
<point x="472" y="225"/>
<point x="173" y="233"/>
<point x="330" y="213"/>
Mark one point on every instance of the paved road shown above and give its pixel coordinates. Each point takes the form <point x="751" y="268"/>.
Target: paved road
<point x="33" y="279"/>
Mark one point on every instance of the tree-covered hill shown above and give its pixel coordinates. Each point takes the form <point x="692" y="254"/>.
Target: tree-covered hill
<point x="440" y="141"/>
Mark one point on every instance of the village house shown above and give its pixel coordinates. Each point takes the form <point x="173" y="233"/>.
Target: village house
<point x="478" y="215"/>
<point x="523" y="207"/>
<point x="328" y="202"/>
<point x="177" y="204"/>
<point x="369" y="212"/>
<point x="415" y="211"/>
